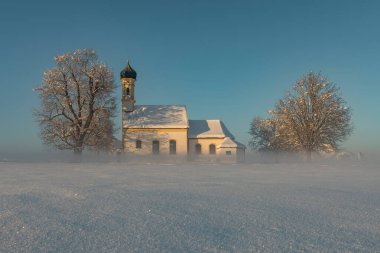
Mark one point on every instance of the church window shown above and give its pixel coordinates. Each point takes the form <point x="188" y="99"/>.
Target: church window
<point x="155" y="147"/>
<point x="228" y="153"/>
<point x="212" y="149"/>
<point x="198" y="149"/>
<point x="138" y="144"/>
<point x="173" y="147"/>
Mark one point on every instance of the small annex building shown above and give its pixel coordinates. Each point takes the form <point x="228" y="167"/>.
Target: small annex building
<point x="165" y="130"/>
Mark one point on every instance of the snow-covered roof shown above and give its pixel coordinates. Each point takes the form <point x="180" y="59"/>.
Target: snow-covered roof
<point x="157" y="116"/>
<point x="229" y="143"/>
<point x="208" y="129"/>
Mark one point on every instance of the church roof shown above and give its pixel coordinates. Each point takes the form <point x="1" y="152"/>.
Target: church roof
<point x="208" y="129"/>
<point x="157" y="116"/>
<point x="229" y="143"/>
<point x="128" y="72"/>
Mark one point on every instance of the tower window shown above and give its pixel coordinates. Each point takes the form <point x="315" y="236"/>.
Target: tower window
<point x="155" y="147"/>
<point x="127" y="91"/>
<point x="212" y="149"/>
<point x="138" y="144"/>
<point x="173" y="147"/>
<point x="198" y="149"/>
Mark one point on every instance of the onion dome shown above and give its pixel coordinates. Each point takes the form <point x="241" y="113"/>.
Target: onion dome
<point x="128" y="72"/>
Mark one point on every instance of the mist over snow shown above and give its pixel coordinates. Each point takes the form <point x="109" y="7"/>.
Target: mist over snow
<point x="167" y="207"/>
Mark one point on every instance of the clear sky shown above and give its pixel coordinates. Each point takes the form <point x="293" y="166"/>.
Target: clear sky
<point x="229" y="60"/>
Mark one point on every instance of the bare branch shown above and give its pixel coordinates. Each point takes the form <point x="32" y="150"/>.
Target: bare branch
<point x="66" y="124"/>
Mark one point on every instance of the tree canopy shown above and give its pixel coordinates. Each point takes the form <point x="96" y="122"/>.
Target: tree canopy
<point x="312" y="117"/>
<point x="77" y="103"/>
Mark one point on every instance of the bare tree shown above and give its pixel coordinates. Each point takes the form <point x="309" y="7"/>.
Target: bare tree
<point x="77" y="103"/>
<point x="311" y="118"/>
<point x="264" y="135"/>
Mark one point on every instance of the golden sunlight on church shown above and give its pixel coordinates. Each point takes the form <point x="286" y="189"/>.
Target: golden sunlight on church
<point x="165" y="130"/>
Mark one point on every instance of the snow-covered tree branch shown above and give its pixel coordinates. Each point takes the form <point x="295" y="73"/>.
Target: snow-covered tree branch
<point x="311" y="118"/>
<point x="77" y="103"/>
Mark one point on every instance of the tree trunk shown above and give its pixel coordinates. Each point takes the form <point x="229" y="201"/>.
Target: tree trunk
<point x="77" y="158"/>
<point x="78" y="151"/>
<point x="79" y="146"/>
<point x="308" y="155"/>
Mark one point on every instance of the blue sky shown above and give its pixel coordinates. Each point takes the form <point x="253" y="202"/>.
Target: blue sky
<point x="229" y="60"/>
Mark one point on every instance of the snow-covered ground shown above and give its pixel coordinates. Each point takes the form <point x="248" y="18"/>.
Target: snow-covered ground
<point x="115" y="207"/>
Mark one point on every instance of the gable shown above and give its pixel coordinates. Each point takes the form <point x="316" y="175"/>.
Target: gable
<point x="229" y="143"/>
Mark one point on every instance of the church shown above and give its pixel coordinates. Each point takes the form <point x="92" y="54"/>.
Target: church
<point x="165" y="130"/>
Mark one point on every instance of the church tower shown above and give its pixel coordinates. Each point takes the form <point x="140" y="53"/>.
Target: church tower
<point x="128" y="77"/>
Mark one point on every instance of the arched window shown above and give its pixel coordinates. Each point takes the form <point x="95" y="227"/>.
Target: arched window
<point x="138" y="144"/>
<point x="198" y="149"/>
<point x="127" y="91"/>
<point x="172" y="147"/>
<point x="212" y="149"/>
<point x="155" y="147"/>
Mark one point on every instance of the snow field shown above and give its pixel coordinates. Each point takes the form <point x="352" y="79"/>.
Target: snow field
<point x="118" y="207"/>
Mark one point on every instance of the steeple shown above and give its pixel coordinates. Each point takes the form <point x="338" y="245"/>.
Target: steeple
<point x="128" y="77"/>
<point x="128" y="72"/>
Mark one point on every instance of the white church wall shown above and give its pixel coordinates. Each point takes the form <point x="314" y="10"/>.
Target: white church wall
<point x="205" y="148"/>
<point x="147" y="136"/>
<point x="227" y="154"/>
